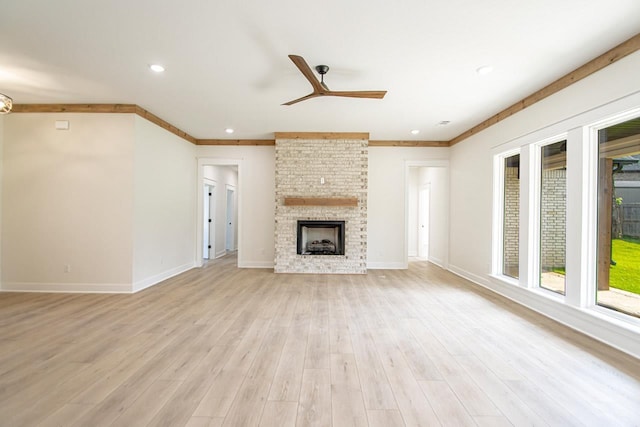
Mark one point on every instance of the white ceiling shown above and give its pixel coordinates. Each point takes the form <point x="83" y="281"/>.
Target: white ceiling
<point x="226" y="60"/>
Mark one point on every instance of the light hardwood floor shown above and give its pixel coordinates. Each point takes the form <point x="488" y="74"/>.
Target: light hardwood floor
<point x="219" y="346"/>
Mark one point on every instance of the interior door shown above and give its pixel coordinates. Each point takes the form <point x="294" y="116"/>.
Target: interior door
<point x="423" y="222"/>
<point x="229" y="245"/>
<point x="209" y="229"/>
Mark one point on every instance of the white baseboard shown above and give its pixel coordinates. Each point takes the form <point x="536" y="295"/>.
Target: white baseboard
<point x="123" y="288"/>
<point x="153" y="280"/>
<point x="374" y="265"/>
<point x="437" y="261"/>
<point x="220" y="254"/>
<point x="255" y="264"/>
<point x="84" y="288"/>
<point x="624" y="336"/>
<point x="478" y="280"/>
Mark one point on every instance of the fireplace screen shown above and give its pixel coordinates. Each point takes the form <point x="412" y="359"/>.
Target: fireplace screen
<point x="320" y="238"/>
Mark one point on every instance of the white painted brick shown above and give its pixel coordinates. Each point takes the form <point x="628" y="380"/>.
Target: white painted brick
<point x="299" y="166"/>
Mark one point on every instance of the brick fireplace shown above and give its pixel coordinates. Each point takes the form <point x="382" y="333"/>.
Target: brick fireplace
<point x="321" y="178"/>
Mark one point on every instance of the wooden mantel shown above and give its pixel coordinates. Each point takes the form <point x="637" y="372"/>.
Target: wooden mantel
<point x="321" y="201"/>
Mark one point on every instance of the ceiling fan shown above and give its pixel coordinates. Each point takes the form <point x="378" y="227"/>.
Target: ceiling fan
<point x="321" y="89"/>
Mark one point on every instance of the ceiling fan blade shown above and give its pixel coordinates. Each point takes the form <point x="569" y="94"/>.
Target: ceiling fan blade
<point x="295" y="101"/>
<point x="307" y="72"/>
<point x="373" y="94"/>
<point x="321" y="89"/>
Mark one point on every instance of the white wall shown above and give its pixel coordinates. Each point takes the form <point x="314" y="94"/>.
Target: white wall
<point x="164" y="184"/>
<point x="471" y="188"/>
<point x="255" y="195"/>
<point x="223" y="176"/>
<point x="111" y="200"/>
<point x="387" y="245"/>
<point x="67" y="200"/>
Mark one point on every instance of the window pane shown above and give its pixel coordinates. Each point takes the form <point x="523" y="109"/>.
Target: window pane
<point x="553" y="208"/>
<point x="619" y="217"/>
<point x="511" y="220"/>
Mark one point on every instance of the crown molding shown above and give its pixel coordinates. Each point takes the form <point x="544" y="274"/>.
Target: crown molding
<point x="372" y="143"/>
<point x="394" y="143"/>
<point x="164" y="124"/>
<point x="236" y="142"/>
<point x="102" y="108"/>
<point x="74" y="108"/>
<point x="322" y="135"/>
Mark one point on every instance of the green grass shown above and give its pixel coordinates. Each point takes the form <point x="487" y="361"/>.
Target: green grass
<point x="625" y="274"/>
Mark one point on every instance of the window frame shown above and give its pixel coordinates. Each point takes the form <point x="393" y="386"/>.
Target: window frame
<point x="497" y="268"/>
<point x="591" y="233"/>
<point x="578" y="309"/>
<point x="581" y="238"/>
<point x="535" y="213"/>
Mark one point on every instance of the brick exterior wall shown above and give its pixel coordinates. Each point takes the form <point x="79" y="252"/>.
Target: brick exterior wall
<point x="511" y="260"/>
<point x="553" y="219"/>
<point x="300" y="165"/>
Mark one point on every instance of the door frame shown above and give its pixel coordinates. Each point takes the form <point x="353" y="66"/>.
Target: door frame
<point x="207" y="161"/>
<point x="408" y="164"/>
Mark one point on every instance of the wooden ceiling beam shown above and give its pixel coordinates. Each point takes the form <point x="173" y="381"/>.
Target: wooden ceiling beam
<point x="628" y="146"/>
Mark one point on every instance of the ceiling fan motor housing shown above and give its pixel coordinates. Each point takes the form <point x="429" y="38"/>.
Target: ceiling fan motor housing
<point x="322" y="69"/>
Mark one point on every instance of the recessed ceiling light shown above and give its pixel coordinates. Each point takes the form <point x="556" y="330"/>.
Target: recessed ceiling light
<point x="415" y="131"/>
<point x="156" y="68"/>
<point x="485" y="69"/>
<point x="444" y="122"/>
<point x="228" y="130"/>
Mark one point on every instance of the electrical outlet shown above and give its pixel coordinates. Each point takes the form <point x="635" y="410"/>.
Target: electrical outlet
<point x="67" y="268"/>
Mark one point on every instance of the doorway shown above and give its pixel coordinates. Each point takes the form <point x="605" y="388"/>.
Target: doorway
<point x="222" y="174"/>
<point x="427" y="211"/>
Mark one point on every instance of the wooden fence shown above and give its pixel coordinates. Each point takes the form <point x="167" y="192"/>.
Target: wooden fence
<point x="630" y="219"/>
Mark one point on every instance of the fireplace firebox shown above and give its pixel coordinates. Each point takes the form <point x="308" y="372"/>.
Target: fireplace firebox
<point x="320" y="237"/>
